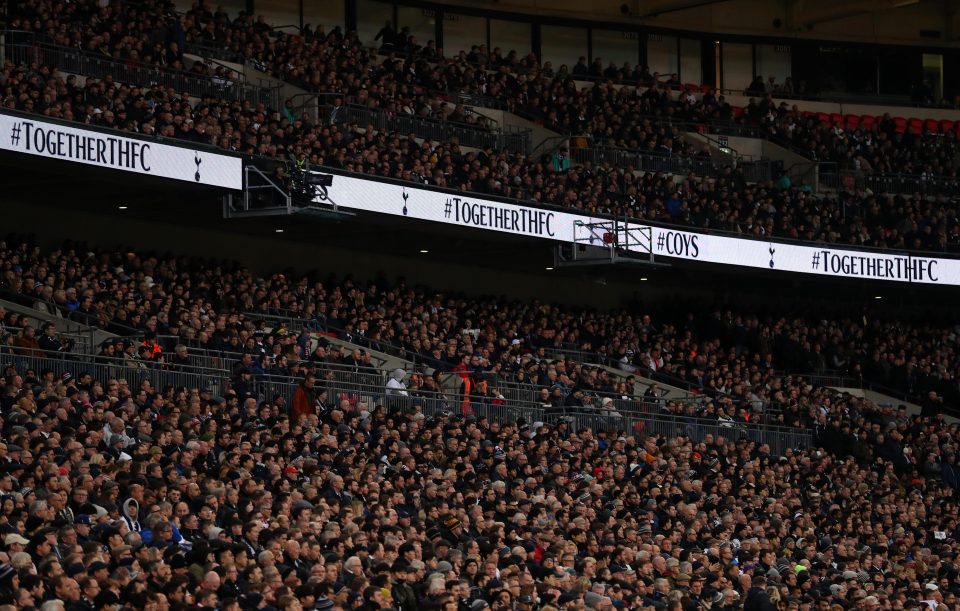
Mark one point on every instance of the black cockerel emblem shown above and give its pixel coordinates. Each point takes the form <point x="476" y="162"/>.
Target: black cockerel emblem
<point x="772" y="250"/>
<point x="198" y="161"/>
<point x="406" y="196"/>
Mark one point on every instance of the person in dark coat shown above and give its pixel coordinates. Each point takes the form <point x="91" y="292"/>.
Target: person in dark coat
<point x="304" y="399"/>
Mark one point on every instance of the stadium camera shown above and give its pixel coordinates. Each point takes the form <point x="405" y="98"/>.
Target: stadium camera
<point x="320" y="182"/>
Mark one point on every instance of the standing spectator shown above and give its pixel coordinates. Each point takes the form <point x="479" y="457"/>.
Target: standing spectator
<point x="304" y="399"/>
<point x="395" y="385"/>
<point x="49" y="342"/>
<point x="26" y="342"/>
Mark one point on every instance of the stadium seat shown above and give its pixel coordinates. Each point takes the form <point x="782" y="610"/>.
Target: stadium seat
<point x="836" y="119"/>
<point x="916" y="126"/>
<point x="901" y="124"/>
<point x="853" y="121"/>
<point x="932" y="126"/>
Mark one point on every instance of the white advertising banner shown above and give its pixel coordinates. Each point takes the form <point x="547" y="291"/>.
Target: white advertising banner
<point x="473" y="212"/>
<point x="461" y="210"/>
<point x="116" y="152"/>
<point x="819" y="260"/>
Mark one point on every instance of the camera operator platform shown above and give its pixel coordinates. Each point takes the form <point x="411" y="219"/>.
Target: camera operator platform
<point x="282" y="190"/>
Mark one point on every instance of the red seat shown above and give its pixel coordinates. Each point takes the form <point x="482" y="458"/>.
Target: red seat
<point x="946" y="126"/>
<point x="823" y="117"/>
<point x="737" y="111"/>
<point x="932" y="126"/>
<point x="705" y="88"/>
<point x="901" y="124"/>
<point x="836" y="119"/>
<point x="852" y="121"/>
<point x="916" y="126"/>
<point x="866" y="122"/>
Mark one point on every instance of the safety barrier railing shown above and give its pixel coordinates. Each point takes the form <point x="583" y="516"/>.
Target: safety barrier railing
<point x="476" y="136"/>
<point x="78" y="332"/>
<point x="217" y="363"/>
<point x="293" y="322"/>
<point x="80" y="341"/>
<point x="104" y="369"/>
<point x="932" y="184"/>
<point x="210" y="357"/>
<point x="78" y="61"/>
<point x="344" y="386"/>
<point x="762" y="170"/>
<point x="211" y="52"/>
<point x="616" y="420"/>
<point x="761" y="411"/>
<point x="647" y="162"/>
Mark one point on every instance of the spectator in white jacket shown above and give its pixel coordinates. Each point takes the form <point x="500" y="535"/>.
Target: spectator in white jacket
<point x="395" y="385"/>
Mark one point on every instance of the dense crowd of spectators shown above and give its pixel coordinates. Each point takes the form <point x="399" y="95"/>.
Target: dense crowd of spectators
<point x="406" y="77"/>
<point x="129" y="496"/>
<point x="745" y="361"/>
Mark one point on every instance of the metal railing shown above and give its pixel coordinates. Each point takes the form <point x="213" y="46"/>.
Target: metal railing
<point x="82" y="62"/>
<point x="762" y="411"/>
<point x="103" y="369"/>
<point x="753" y="171"/>
<point x="832" y="178"/>
<point x="620" y="419"/>
<point x="216" y="359"/>
<point x="292" y="321"/>
<point x="515" y="139"/>
<point x="341" y="387"/>
<point x="218" y="53"/>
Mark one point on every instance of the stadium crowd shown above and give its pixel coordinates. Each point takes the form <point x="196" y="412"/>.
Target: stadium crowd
<point x="120" y="494"/>
<point x="747" y="361"/>
<point x="124" y="495"/>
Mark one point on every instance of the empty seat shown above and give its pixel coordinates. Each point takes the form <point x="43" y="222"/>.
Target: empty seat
<point x="947" y="126"/>
<point x="823" y="117"/>
<point x="901" y="124"/>
<point x="867" y="122"/>
<point x="836" y="119"/>
<point x="916" y="126"/>
<point x="932" y="126"/>
<point x="852" y="121"/>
